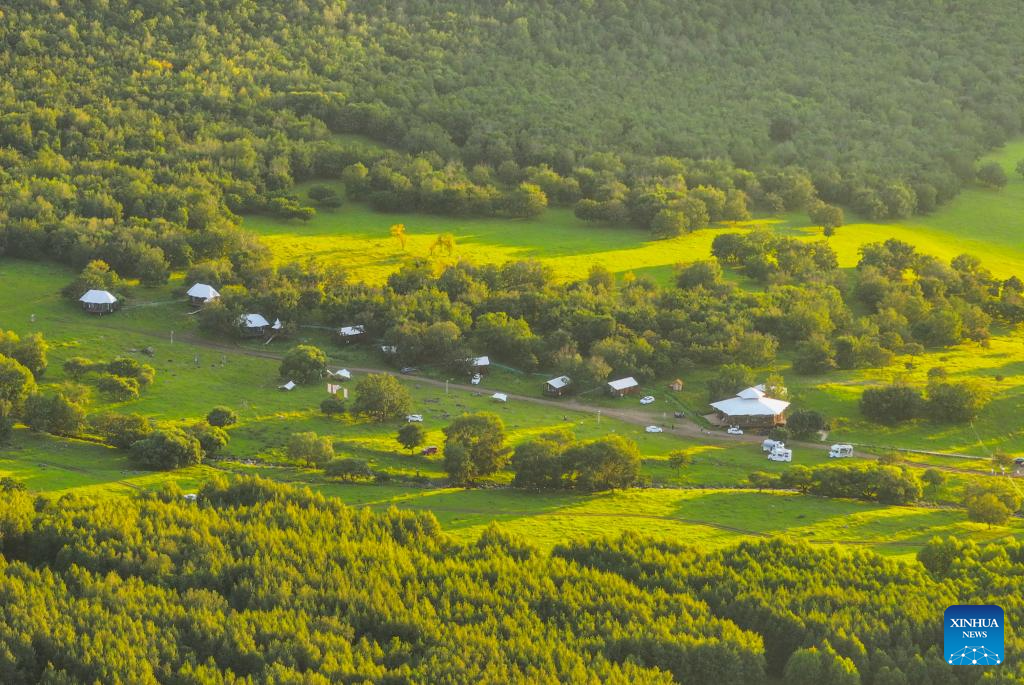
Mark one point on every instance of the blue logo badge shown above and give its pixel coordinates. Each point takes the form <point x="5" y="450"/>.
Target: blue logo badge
<point x="973" y="635"/>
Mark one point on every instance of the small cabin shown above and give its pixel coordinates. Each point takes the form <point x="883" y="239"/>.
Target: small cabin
<point x="200" y="294"/>
<point x="348" y="333"/>
<point x="556" y="387"/>
<point x="98" y="302"/>
<point x="253" y="325"/>
<point x="623" y="387"/>
<point x="676" y="385"/>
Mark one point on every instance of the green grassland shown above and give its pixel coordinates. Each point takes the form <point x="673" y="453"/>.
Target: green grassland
<point x="987" y="223"/>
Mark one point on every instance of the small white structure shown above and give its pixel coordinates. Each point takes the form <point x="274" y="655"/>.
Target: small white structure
<point x="500" y="397"/>
<point x="780" y="454"/>
<point x="253" y="324"/>
<point x="414" y="418"/>
<point x="290" y="385"/>
<point x="277" y="325"/>
<point x="389" y="349"/>
<point x="840" y="451"/>
<point x="479" y="363"/>
<point x="654" y="429"/>
<point x="751" y="407"/>
<point x="351" y="331"/>
<point x="340" y="374"/>
<point x="98" y="302"/>
<point x="623" y="386"/>
<point x="200" y="294"/>
<point x="557" y="386"/>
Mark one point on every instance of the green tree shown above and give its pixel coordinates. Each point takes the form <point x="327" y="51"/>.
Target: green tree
<point x="730" y="379"/>
<point x="679" y="459"/>
<point x="538" y="464"/>
<point x="891" y="404"/>
<point x="348" y="470"/>
<point x="603" y="464"/>
<point x="167" y="449"/>
<point x="411" y="435"/>
<point x="303" y="364"/>
<point x="310" y="448"/>
<point x="54" y="413"/>
<point x="211" y="438"/>
<point x="221" y="416"/>
<point x="332" y="406"/>
<point x="804" y="423"/>
<point x="480" y="442"/>
<point x="992" y="175"/>
<point x="16" y="382"/>
<point x="381" y="397"/>
<point x="121" y="430"/>
<point x="956" y="402"/>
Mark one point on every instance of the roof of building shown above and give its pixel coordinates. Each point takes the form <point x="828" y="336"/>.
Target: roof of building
<point x="480" y="361"/>
<point x="500" y="396"/>
<point x="623" y="383"/>
<point x="751" y="402"/>
<point x="97" y="297"/>
<point x="201" y="290"/>
<point x="560" y="382"/>
<point x="348" y="331"/>
<point x="254" y="321"/>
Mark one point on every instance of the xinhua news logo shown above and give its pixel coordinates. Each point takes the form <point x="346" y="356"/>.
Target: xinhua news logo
<point x="974" y="635"/>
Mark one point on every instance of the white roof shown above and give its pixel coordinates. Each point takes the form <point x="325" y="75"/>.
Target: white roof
<point x="751" y="402"/>
<point x="500" y="396"/>
<point x="340" y="373"/>
<point x="97" y="297"/>
<point x="277" y="325"/>
<point x="480" y="361"/>
<point x="207" y="292"/>
<point x="346" y="331"/>
<point x="623" y="383"/>
<point x="253" y="321"/>
<point x="287" y="386"/>
<point x="559" y="382"/>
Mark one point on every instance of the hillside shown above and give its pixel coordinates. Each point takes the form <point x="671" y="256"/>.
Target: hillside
<point x="257" y="582"/>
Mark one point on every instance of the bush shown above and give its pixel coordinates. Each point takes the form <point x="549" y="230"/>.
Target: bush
<point x="992" y="503"/>
<point x="381" y="397"/>
<point x="77" y="368"/>
<point x="211" y="438"/>
<point x="54" y="413"/>
<point x="603" y="464"/>
<point x="222" y="416"/>
<point x="117" y="387"/>
<point x="956" y="402"/>
<point x="332" y="406"/>
<point x="121" y="430"/>
<point x="348" y="470"/>
<point x="891" y="404"/>
<point x="411" y="435"/>
<point x="310" y="448"/>
<point x="167" y="449"/>
<point x="805" y="423"/>
<point x="303" y="364"/>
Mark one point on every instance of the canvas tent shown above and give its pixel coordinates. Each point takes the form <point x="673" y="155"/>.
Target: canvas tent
<point x="98" y="302"/>
<point x="623" y="386"/>
<point x="751" y="407"/>
<point x="254" y="324"/>
<point x="340" y="374"/>
<point x="351" y="331"/>
<point x="290" y="385"/>
<point x="200" y="294"/>
<point x="500" y="397"/>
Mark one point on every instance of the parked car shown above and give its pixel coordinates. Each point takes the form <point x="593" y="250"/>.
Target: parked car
<point x="654" y="429"/>
<point x="414" y="418"/>
<point x="648" y="399"/>
<point x="475" y="380"/>
<point x="734" y="430"/>
<point x="679" y="415"/>
<point x="1019" y="461"/>
<point x="409" y="369"/>
<point x="427" y="451"/>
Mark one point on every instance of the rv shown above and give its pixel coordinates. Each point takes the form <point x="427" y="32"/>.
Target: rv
<point x="840" y="451"/>
<point x="780" y="453"/>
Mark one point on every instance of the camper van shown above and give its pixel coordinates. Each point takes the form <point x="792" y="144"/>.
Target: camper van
<point x="840" y="451"/>
<point x="780" y="453"/>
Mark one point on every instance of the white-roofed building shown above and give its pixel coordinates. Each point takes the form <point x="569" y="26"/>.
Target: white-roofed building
<point x="557" y="386"/>
<point x="479" y="363"/>
<point x="200" y="293"/>
<point x="751" y="407"/>
<point x="98" y="302"/>
<point x="623" y="386"/>
<point x="349" y="332"/>
<point x="253" y="324"/>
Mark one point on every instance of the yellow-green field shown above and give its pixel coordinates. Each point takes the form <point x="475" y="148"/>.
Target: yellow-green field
<point x="984" y="222"/>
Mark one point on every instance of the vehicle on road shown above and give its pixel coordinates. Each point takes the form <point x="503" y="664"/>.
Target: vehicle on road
<point x="409" y="369"/>
<point x="679" y="415"/>
<point x="840" y="451"/>
<point x="475" y="380"/>
<point x="654" y="429"/>
<point x="414" y="418"/>
<point x="428" y="450"/>
<point x="734" y="430"/>
<point x="780" y="454"/>
<point x="648" y="399"/>
<point x="1019" y="461"/>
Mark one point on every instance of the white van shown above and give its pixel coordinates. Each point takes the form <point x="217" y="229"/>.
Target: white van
<point x="780" y="453"/>
<point x="840" y="451"/>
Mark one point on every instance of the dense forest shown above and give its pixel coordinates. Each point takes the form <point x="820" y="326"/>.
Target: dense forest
<point x="138" y="131"/>
<point x="257" y="582"/>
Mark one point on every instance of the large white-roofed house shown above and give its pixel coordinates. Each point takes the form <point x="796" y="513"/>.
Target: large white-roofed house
<point x="98" y="302"/>
<point x="200" y="293"/>
<point x="751" y="408"/>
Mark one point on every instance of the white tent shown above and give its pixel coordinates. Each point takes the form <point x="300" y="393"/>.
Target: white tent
<point x="254" y="321"/>
<point x="351" y="331"/>
<point x="478" y="362"/>
<point x="500" y="397"/>
<point x="97" y="297"/>
<point x="203" y="292"/>
<point x="290" y="385"/>
<point x="341" y="374"/>
<point x="623" y="384"/>
<point x="277" y="325"/>
<point x="750" y="402"/>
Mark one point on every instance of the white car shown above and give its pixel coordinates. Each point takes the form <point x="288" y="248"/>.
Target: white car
<point x="654" y="429"/>
<point x="734" y="430"/>
<point x="414" y="418"/>
<point x="475" y="380"/>
<point x="647" y="400"/>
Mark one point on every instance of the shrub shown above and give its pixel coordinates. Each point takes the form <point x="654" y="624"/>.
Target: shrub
<point x="332" y="406"/>
<point x="303" y="364"/>
<point x="310" y="448"/>
<point x="121" y="430"/>
<point x="348" y="470"/>
<point x="167" y="449"/>
<point x="117" y="387"/>
<point x="891" y="404"/>
<point x="54" y="413"/>
<point x="211" y="438"/>
<point x="222" y="416"/>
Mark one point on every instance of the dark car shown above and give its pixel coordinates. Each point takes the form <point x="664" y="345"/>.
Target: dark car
<point x="679" y="414"/>
<point x="426" y="451"/>
<point x="409" y="369"/>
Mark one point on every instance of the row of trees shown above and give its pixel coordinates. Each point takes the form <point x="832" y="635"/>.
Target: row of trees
<point x="885" y="483"/>
<point x="946" y="401"/>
